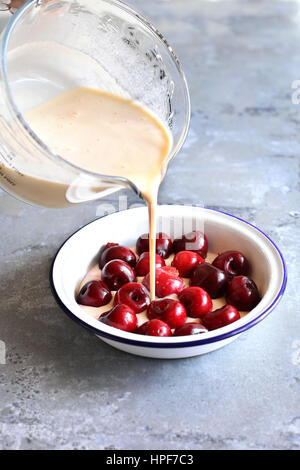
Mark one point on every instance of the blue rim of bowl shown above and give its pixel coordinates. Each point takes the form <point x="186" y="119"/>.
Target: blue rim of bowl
<point x="162" y="345"/>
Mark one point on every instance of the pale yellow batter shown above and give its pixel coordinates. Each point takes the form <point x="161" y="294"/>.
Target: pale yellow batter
<point x="108" y="135"/>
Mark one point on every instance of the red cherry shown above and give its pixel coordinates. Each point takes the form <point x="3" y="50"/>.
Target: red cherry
<point x="107" y="245"/>
<point x="154" y="328"/>
<point x="186" y="261"/>
<point x="94" y="294"/>
<point x="133" y="294"/>
<point x="167" y="282"/>
<point x="163" y="244"/>
<point x="121" y="317"/>
<point x="170" y="311"/>
<point x="117" y="252"/>
<point x="190" y="329"/>
<point x="116" y="273"/>
<point x="143" y="265"/>
<point x="221" y="317"/>
<point x="233" y="263"/>
<point x="193" y="241"/>
<point x="210" y="278"/>
<point x="196" y="301"/>
<point x="242" y="293"/>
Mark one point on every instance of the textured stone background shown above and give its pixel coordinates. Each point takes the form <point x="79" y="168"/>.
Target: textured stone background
<point x="61" y="388"/>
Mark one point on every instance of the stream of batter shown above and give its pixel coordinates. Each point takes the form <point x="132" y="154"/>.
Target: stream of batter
<point x="108" y="135"/>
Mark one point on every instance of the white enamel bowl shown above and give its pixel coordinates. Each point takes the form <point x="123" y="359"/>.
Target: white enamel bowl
<point x="224" y="232"/>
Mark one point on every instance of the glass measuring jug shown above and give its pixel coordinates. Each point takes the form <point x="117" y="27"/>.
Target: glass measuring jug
<point x="50" y="47"/>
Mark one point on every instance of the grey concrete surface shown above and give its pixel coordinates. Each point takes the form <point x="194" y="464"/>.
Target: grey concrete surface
<point x="61" y="388"/>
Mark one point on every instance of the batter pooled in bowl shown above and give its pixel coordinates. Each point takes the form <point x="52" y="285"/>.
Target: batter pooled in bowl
<point x="196" y="291"/>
